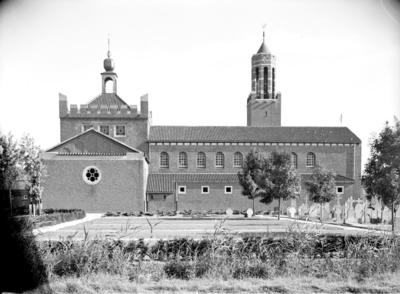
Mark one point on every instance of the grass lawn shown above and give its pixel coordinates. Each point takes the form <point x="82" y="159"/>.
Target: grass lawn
<point x="144" y="284"/>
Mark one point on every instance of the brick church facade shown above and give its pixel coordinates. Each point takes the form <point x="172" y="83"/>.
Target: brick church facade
<point x="111" y="157"/>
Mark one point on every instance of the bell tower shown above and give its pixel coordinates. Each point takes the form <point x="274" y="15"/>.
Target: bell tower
<point x="109" y="77"/>
<point x="264" y="102"/>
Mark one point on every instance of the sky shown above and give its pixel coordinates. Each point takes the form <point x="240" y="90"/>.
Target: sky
<point x="334" y="58"/>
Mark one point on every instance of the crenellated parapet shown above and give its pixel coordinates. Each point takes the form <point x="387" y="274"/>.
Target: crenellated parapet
<point x="103" y="110"/>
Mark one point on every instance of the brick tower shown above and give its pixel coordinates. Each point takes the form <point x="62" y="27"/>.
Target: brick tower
<point x="264" y="102"/>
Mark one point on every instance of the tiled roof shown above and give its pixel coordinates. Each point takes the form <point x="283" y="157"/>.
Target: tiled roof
<point x="253" y="134"/>
<point x="338" y="178"/>
<point x="263" y="49"/>
<point x="90" y="154"/>
<point x="107" y="99"/>
<point x="164" y="183"/>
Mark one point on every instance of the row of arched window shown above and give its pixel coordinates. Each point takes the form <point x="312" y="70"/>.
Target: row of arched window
<point x="310" y="161"/>
<point x="219" y="160"/>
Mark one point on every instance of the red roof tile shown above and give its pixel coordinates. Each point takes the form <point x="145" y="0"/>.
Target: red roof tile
<point x="253" y="134"/>
<point x="164" y="183"/>
<point x="107" y="99"/>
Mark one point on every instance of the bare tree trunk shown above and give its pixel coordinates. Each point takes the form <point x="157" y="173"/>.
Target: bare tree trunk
<point x="279" y="208"/>
<point x="320" y="204"/>
<point x="10" y="197"/>
<point x="254" y="212"/>
<point x="393" y="220"/>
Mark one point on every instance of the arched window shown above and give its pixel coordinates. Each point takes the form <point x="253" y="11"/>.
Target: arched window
<point x="310" y="159"/>
<point x="257" y="78"/>
<point x="219" y="159"/>
<point x="164" y="160"/>
<point x="237" y="159"/>
<point x="273" y="83"/>
<point x="182" y="161"/>
<point x="294" y="160"/>
<point x="266" y="83"/>
<point x="201" y="160"/>
<point x="65" y="150"/>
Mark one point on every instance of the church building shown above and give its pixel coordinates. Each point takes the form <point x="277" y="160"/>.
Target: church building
<point x="111" y="157"/>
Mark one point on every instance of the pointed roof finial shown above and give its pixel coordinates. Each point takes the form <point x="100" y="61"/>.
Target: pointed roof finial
<point x="109" y="53"/>
<point x="263" y="26"/>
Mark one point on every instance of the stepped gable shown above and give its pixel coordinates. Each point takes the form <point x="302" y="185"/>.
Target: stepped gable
<point x="107" y="99"/>
<point x="253" y="134"/>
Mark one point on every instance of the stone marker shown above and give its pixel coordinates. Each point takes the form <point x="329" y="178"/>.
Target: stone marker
<point x="350" y="213"/>
<point x="359" y="211"/>
<point x="291" y="211"/>
<point x="249" y="212"/>
<point x="315" y="210"/>
<point x="229" y="212"/>
<point x="338" y="212"/>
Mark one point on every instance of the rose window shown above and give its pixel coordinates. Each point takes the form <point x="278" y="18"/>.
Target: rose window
<point x="91" y="175"/>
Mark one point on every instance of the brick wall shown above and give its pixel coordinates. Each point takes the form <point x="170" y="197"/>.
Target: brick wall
<point x="121" y="187"/>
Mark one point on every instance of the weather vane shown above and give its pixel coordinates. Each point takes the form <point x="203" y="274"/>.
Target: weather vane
<point x="263" y="26"/>
<point x="109" y="53"/>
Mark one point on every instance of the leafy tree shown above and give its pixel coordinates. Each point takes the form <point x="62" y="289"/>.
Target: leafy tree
<point x="251" y="174"/>
<point x="321" y="186"/>
<point x="381" y="176"/>
<point x="10" y="169"/>
<point x="33" y="166"/>
<point x="280" y="179"/>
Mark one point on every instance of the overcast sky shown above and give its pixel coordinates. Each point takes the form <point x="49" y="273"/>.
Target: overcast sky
<point x="193" y="58"/>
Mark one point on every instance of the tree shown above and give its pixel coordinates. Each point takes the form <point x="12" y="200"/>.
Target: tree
<point x="33" y="166"/>
<point x="251" y="174"/>
<point x="321" y="186"/>
<point x="381" y="176"/>
<point x="279" y="179"/>
<point x="10" y="169"/>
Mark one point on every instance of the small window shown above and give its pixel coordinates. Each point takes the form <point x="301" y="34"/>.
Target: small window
<point x="164" y="160"/>
<point x="294" y="160"/>
<point x="310" y="159"/>
<point x="151" y="197"/>
<point x="237" y="159"/>
<point x="182" y="189"/>
<point x="182" y="160"/>
<point x="86" y="127"/>
<point x="339" y="189"/>
<point x="120" y="131"/>
<point x="165" y="197"/>
<point x="105" y="130"/>
<point x="91" y="175"/>
<point x="25" y="197"/>
<point x="228" y="189"/>
<point x="205" y="190"/>
<point x="266" y="113"/>
<point x="219" y="160"/>
<point x="201" y="160"/>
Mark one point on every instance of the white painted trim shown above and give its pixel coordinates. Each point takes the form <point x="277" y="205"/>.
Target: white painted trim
<point x="208" y="190"/>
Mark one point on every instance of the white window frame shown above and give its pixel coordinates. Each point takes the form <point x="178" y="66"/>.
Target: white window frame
<point x="185" y="165"/>
<point x="226" y="192"/>
<point x="181" y="192"/>
<point x="87" y="181"/>
<point x="241" y="159"/>
<point x="104" y="125"/>
<point x="115" y="130"/>
<point x="197" y="160"/>
<point x="86" y="125"/>
<point x="202" y="189"/>
<point x="223" y="160"/>
<point x="313" y="157"/>
<point x="164" y="166"/>
<point x="294" y="159"/>
<point x="337" y="188"/>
